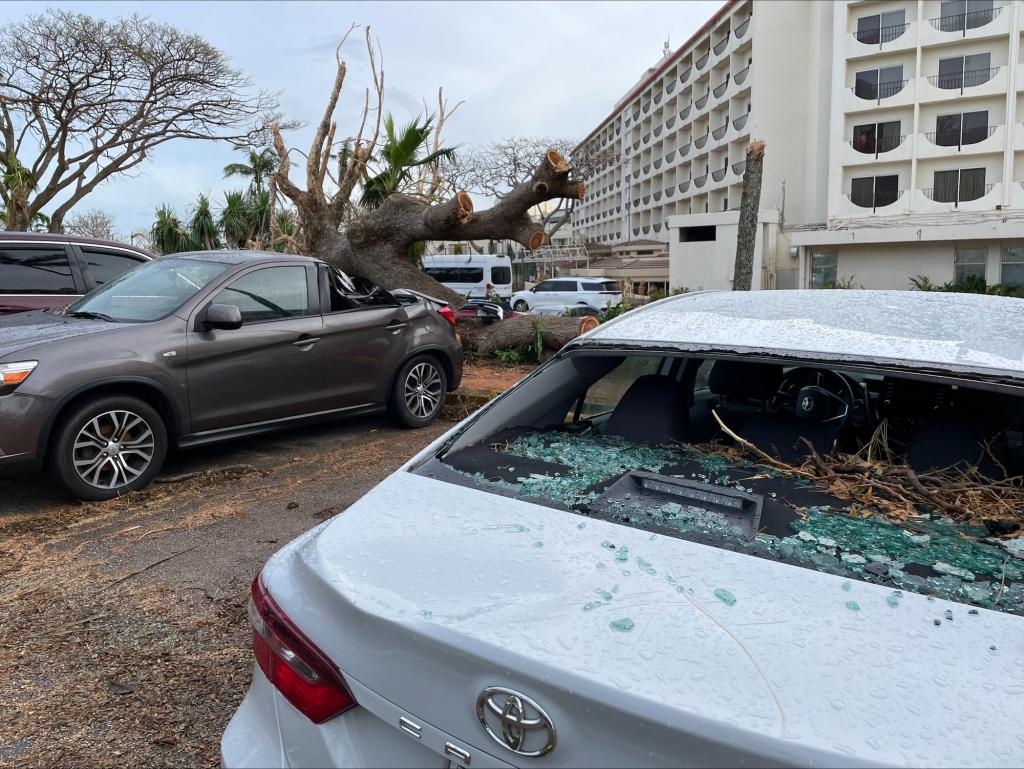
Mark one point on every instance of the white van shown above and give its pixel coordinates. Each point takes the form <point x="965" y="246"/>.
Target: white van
<point x="472" y="275"/>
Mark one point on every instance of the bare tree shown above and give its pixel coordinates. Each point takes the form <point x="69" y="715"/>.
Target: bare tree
<point x="84" y="99"/>
<point x="746" y="233"/>
<point x="92" y="224"/>
<point x="374" y="244"/>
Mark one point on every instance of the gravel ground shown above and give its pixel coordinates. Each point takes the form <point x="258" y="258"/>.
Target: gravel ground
<point x="123" y="638"/>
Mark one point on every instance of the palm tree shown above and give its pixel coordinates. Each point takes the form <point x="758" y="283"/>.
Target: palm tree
<point x="203" y="227"/>
<point x="399" y="155"/>
<point x="169" y="237"/>
<point x="235" y="220"/>
<point x="261" y="164"/>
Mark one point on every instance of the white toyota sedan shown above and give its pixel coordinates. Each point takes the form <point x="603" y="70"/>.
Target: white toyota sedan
<point x="769" y="528"/>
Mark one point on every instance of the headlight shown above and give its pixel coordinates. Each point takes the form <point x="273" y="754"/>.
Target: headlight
<point x="13" y="374"/>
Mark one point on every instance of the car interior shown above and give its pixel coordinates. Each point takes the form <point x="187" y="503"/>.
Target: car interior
<point x="627" y="438"/>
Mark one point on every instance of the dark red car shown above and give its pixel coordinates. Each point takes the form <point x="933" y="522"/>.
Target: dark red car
<point x="43" y="271"/>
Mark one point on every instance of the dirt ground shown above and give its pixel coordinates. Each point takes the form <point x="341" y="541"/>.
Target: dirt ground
<point x="123" y="637"/>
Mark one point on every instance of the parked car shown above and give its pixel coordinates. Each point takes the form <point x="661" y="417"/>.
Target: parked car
<point x="594" y="292"/>
<point x="207" y="346"/>
<point x="486" y="310"/>
<point x="613" y="582"/>
<point x="478" y="276"/>
<point x="40" y="271"/>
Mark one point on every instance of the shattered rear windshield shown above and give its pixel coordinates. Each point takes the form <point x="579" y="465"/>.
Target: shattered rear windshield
<point x="867" y="490"/>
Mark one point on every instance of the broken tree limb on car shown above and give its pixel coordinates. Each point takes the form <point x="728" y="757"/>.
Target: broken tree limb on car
<point x="519" y="333"/>
<point x="746" y="234"/>
<point x="374" y="244"/>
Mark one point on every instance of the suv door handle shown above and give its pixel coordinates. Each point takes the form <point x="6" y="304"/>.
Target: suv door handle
<point x="305" y="341"/>
<point x="395" y="325"/>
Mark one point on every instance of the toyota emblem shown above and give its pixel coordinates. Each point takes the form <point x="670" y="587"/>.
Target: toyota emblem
<point x="807" y="404"/>
<point x="515" y="721"/>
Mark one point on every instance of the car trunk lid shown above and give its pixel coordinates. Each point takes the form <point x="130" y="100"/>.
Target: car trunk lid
<point x="642" y="647"/>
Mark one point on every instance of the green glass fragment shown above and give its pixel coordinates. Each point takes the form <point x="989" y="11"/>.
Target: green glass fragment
<point x="853" y="606"/>
<point x="725" y="596"/>
<point x="623" y="625"/>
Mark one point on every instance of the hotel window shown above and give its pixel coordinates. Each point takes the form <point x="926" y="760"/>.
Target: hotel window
<point x="959" y="185"/>
<point x="960" y="15"/>
<point x="874" y="191"/>
<point x="969" y="263"/>
<point x="872" y="138"/>
<point x="1012" y="269"/>
<point x="879" y="83"/>
<point x="824" y="269"/>
<point x="881" y="28"/>
<point x="965" y="71"/>
<point x="962" y="128"/>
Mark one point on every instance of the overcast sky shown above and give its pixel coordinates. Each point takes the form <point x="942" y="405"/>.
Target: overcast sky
<point x="524" y="69"/>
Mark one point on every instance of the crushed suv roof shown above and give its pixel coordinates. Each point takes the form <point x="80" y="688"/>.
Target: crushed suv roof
<point x="239" y="257"/>
<point x="912" y="329"/>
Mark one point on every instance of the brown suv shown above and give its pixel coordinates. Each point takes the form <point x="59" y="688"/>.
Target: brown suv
<point x="49" y="271"/>
<point x="200" y="347"/>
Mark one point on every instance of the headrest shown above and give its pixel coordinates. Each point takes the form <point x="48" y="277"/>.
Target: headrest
<point x="653" y="410"/>
<point x="745" y="379"/>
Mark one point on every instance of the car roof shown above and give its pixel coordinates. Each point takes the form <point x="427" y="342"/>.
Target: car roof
<point x="921" y="330"/>
<point x="243" y="257"/>
<point x="57" y="237"/>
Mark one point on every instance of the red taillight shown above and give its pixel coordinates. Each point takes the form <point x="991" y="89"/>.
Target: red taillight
<point x="448" y="314"/>
<point x="293" y="663"/>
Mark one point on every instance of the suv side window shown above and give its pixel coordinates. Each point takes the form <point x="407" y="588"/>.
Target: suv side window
<point x="547" y="285"/>
<point x="564" y="285"/>
<point x="104" y="266"/>
<point x="271" y="293"/>
<point x="35" y="270"/>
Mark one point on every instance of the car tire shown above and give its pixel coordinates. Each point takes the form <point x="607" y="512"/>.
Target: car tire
<point x="419" y="392"/>
<point x="521" y="306"/>
<point x="94" y="471"/>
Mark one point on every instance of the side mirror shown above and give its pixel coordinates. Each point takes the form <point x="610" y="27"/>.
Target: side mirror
<point x="533" y="290"/>
<point x="223" y="316"/>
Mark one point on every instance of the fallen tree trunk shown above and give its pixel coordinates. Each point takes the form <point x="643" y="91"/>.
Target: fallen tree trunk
<point x="519" y="333"/>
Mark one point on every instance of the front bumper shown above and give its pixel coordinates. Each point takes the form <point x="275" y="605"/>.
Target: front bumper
<point x="22" y="418"/>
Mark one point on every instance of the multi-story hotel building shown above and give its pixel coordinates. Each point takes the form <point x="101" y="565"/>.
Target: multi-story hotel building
<point x="894" y="136"/>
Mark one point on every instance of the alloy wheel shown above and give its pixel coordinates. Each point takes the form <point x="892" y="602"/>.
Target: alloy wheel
<point x="422" y="390"/>
<point x="113" y="449"/>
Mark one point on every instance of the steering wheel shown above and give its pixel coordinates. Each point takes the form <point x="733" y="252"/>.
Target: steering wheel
<point x="821" y="395"/>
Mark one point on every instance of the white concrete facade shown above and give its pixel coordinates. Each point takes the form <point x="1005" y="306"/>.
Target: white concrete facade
<point x="902" y="118"/>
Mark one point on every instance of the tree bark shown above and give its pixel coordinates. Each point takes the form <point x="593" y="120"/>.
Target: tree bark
<point x="518" y="333"/>
<point x="750" y="203"/>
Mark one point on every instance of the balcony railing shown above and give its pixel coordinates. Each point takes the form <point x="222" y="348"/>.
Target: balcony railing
<point x="657" y="132"/>
<point x="636" y="231"/>
<point x="636" y="144"/>
<point x="685" y="75"/>
<point x="670" y="87"/>
<point x="647" y="169"/>
<point x="670" y="191"/>
<point x="742" y="75"/>
<point x="636" y="173"/>
<point x="657" y="164"/>
<point x="657" y="227"/>
<point x="636" y="203"/>
<point x="669" y="157"/>
<point x="956" y="195"/>
<point x="657" y="99"/>
<point x="636" y="113"/>
<point x="721" y="44"/>
<point x="961" y="80"/>
<point x="877" y="92"/>
<point x="699" y="64"/>
<point x="719" y="132"/>
<point x="882" y="144"/>
<point x="657" y="196"/>
<point x="646" y="108"/>
<point x="719" y="174"/>
<point x="719" y="89"/>
<point x="880" y="35"/>
<point x="683" y="186"/>
<point x="685" y="111"/>
<point x="700" y="141"/>
<point x="700" y="180"/>
<point x="961" y="138"/>
<point x="741" y="28"/>
<point x="699" y="103"/>
<point x="684" y="150"/>
<point x="961" y="22"/>
<point x="876" y="200"/>
<point x="741" y="121"/>
<point x="739" y="168"/>
<point x="646" y="138"/>
<point x="646" y="230"/>
<point x="670" y="122"/>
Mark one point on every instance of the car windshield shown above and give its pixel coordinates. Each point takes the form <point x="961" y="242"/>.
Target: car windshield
<point x="149" y="292"/>
<point x="905" y="482"/>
